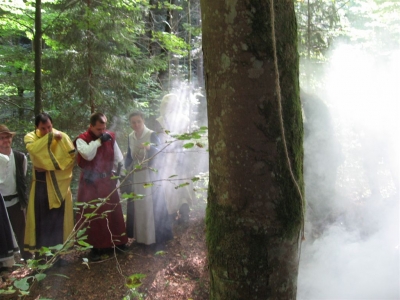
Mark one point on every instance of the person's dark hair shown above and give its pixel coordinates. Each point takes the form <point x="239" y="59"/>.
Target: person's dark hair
<point x="98" y="117"/>
<point x="42" y="118"/>
<point x="136" y="113"/>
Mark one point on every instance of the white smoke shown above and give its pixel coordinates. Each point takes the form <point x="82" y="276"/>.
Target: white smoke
<point x="352" y="244"/>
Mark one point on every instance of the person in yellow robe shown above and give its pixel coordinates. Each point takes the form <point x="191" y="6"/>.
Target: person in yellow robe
<point x="50" y="209"/>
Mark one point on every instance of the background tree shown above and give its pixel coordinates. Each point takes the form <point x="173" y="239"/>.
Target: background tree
<point x="95" y="57"/>
<point x="254" y="211"/>
<point x="320" y="23"/>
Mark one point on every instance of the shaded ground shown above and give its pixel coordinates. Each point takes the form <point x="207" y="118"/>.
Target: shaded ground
<point x="178" y="272"/>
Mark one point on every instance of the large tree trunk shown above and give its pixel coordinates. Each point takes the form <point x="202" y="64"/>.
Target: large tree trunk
<point x="255" y="209"/>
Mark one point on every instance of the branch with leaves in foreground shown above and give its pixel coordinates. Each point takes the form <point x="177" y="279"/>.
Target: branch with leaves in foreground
<point x="76" y="241"/>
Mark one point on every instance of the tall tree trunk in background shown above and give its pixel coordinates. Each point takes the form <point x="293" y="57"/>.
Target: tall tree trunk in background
<point x="38" y="107"/>
<point x="255" y="209"/>
<point x="89" y="37"/>
<point x="164" y="75"/>
<point x="150" y="26"/>
<point x="189" y="39"/>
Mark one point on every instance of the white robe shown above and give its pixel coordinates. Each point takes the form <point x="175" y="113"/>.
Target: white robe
<point x="144" y="227"/>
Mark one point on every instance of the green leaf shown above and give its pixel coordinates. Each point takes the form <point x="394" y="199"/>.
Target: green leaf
<point x="82" y="238"/>
<point x="182" y="185"/>
<point x="46" y="251"/>
<point x="56" y="247"/>
<point x="134" y="280"/>
<point x="80" y="232"/>
<point x="148" y="185"/>
<point x="132" y="196"/>
<point x="194" y="179"/>
<point x="22" y="284"/>
<point x="188" y="145"/>
<point x="154" y="170"/>
<point x="40" y="276"/>
<point x="90" y="215"/>
<point x="9" y="291"/>
<point x="83" y="243"/>
<point x="195" y="135"/>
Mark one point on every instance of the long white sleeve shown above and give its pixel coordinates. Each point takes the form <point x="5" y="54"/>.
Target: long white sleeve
<point x="4" y="159"/>
<point x="88" y="151"/>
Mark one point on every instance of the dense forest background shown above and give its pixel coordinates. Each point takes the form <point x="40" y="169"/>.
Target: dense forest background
<point x="71" y="58"/>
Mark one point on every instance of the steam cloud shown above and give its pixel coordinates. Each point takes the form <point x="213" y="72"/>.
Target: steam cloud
<point x="352" y="180"/>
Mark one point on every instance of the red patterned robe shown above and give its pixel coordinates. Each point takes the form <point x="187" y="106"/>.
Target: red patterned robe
<point x="95" y="183"/>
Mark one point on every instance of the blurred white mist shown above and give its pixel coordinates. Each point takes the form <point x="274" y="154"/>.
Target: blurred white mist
<point x="352" y="180"/>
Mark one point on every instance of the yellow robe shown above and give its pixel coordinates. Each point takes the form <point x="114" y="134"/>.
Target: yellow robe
<point x="58" y="159"/>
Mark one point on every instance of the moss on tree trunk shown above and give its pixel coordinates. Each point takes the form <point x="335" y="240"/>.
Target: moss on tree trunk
<point x="254" y="212"/>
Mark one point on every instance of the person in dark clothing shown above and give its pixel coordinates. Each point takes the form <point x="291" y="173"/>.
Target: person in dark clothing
<point x="8" y="244"/>
<point x="13" y="166"/>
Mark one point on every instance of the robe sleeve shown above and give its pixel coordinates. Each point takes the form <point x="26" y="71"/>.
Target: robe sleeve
<point x="4" y="159"/>
<point x="88" y="151"/>
<point x="118" y="158"/>
<point x="48" y="153"/>
<point x="57" y="157"/>
<point x="128" y="158"/>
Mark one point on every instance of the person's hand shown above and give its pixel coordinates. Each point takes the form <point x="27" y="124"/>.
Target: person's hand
<point x="57" y="136"/>
<point x="145" y="146"/>
<point x="105" y="137"/>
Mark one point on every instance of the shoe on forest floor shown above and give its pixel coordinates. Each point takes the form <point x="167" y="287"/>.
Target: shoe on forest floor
<point x="94" y="255"/>
<point x="122" y="248"/>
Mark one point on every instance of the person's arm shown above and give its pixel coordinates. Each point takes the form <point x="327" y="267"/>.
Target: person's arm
<point x="128" y="158"/>
<point x="51" y="152"/>
<point x="155" y="143"/>
<point x="88" y="151"/>
<point x="4" y="159"/>
<point x="25" y="165"/>
<point x="118" y="159"/>
<point x="156" y="161"/>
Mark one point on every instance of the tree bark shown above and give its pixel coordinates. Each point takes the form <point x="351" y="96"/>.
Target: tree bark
<point x="255" y="209"/>
<point x="38" y="107"/>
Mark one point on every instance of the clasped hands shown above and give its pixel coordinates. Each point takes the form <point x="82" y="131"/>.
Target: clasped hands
<point x="105" y="137"/>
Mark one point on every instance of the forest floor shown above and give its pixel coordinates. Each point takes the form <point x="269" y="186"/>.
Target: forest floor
<point x="177" y="272"/>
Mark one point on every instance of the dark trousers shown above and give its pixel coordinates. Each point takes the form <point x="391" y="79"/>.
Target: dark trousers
<point x="17" y="220"/>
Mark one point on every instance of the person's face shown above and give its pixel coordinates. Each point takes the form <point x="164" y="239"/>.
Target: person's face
<point x="98" y="129"/>
<point x="5" y="143"/>
<point x="137" y="123"/>
<point x="45" y="128"/>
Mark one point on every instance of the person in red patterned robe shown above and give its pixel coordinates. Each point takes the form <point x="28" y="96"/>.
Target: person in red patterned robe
<point x="99" y="157"/>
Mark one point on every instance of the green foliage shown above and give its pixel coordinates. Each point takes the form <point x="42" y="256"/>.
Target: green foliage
<point x="324" y="23"/>
<point x="171" y="42"/>
<point x="135" y="280"/>
<point x="188" y="145"/>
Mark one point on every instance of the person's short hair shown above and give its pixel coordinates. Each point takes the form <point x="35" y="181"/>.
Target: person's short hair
<point x="136" y="113"/>
<point x="98" y="117"/>
<point x="42" y="118"/>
